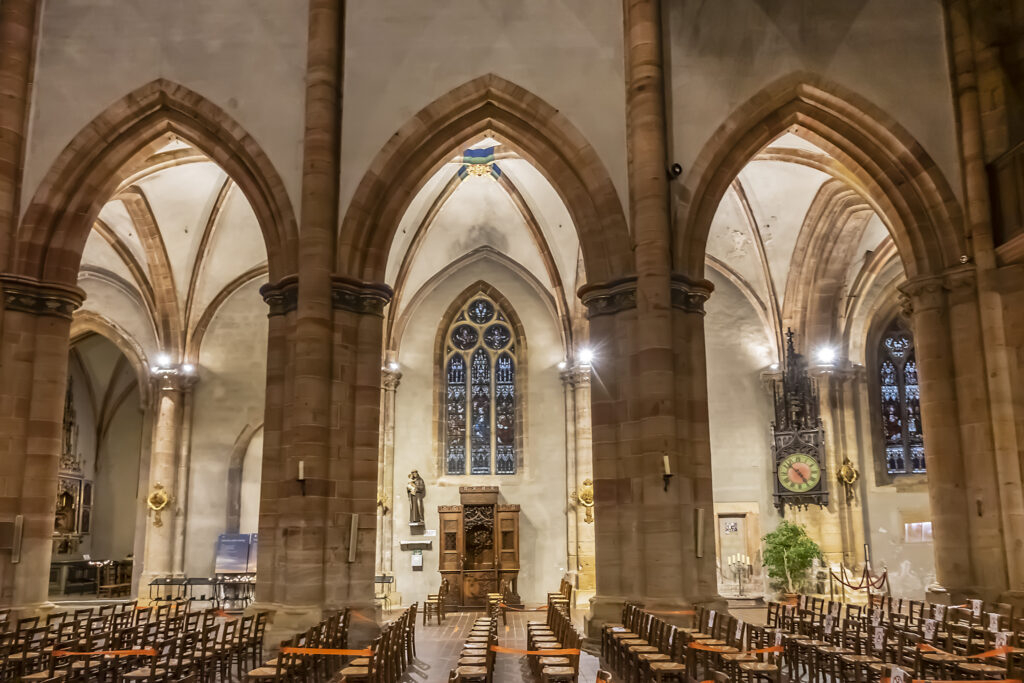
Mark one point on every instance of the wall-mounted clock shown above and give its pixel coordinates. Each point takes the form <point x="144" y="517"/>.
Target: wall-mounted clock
<point x="798" y="439"/>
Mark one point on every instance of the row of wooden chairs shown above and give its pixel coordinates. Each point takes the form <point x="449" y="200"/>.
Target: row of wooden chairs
<point x="563" y="597"/>
<point x="206" y="645"/>
<point x="556" y="633"/>
<point x="330" y="633"/>
<point x="836" y="642"/>
<point x="647" y="647"/>
<point x="392" y="653"/>
<point x="476" y="661"/>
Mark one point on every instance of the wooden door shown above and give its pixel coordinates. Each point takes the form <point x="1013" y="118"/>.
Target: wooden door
<point x="451" y="542"/>
<point x="507" y="536"/>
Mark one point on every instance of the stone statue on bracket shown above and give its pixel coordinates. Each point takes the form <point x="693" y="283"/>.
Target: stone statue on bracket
<point x="416" y="489"/>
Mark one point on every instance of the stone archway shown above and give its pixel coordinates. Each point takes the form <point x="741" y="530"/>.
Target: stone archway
<point x="64" y="207"/>
<point x="524" y="122"/>
<point x="904" y="184"/>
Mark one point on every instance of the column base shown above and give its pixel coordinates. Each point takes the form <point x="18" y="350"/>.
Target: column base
<point x="1015" y="598"/>
<point x="938" y="594"/>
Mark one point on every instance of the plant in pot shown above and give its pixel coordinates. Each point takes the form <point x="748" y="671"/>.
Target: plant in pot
<point x="788" y="554"/>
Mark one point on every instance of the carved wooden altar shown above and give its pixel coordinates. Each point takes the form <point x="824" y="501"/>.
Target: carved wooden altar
<point x="479" y="546"/>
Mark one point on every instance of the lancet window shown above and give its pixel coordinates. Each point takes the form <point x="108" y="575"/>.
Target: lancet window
<point x="480" y="391"/>
<point x="902" y="435"/>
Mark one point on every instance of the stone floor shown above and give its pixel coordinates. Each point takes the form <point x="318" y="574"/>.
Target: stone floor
<point x="438" y="647"/>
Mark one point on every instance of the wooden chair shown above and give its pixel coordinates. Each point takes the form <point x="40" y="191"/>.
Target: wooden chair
<point x="435" y="604"/>
<point x="280" y="670"/>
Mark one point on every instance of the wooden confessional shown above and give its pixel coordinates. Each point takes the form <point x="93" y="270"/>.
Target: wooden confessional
<point x="479" y="547"/>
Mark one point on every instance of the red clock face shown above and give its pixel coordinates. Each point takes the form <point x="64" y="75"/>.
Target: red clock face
<point x="799" y="472"/>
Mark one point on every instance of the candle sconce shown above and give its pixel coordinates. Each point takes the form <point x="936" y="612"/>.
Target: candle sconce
<point x="302" y="478"/>
<point x="666" y="470"/>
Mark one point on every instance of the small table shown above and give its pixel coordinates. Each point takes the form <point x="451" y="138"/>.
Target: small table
<point x="168" y="583"/>
<point x="192" y="582"/>
<point x="237" y="588"/>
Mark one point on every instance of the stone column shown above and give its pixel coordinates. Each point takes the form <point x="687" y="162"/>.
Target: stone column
<point x="18" y="28"/>
<point x="350" y="486"/>
<point x="939" y="415"/>
<point x="163" y="527"/>
<point x="300" y="510"/>
<point x="34" y="335"/>
<point x="584" y="470"/>
<point x="840" y="526"/>
<point x="571" y="480"/>
<point x="967" y="54"/>
<point x="696" y="541"/>
<point x="992" y="489"/>
<point x="390" y="379"/>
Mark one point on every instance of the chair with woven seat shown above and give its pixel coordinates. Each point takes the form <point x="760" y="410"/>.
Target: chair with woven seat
<point x="280" y="670"/>
<point x="435" y="604"/>
<point x="766" y="665"/>
<point x="158" y="667"/>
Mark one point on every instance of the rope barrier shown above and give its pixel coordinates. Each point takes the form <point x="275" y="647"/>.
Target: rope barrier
<point x="729" y="651"/>
<point x="665" y="611"/>
<point x="326" y="651"/>
<point x="146" y="651"/>
<point x="522" y="609"/>
<point x="543" y="653"/>
<point x="997" y="652"/>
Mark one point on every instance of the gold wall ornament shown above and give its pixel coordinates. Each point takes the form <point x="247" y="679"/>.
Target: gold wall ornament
<point x="157" y="501"/>
<point x="848" y="476"/>
<point x="382" y="503"/>
<point x="585" y="496"/>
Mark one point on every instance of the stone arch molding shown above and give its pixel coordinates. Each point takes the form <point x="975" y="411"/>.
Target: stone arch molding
<point x="904" y="185"/>
<point x="87" y="172"/>
<point x="519" y="119"/>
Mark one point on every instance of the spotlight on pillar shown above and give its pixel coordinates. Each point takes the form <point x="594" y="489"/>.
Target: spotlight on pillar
<point x="774" y="366"/>
<point x="586" y="356"/>
<point x="562" y="365"/>
<point x="393" y="366"/>
<point x="826" y="355"/>
<point x="163" y="360"/>
<point x="188" y="368"/>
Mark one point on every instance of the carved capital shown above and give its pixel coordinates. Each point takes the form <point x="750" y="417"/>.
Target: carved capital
<point x="925" y="293"/>
<point x="173" y="378"/>
<point x="356" y="296"/>
<point x="689" y="295"/>
<point x="609" y="298"/>
<point x="27" y="295"/>
<point x="577" y="376"/>
<point x="390" y="379"/>
<point x="282" y="297"/>
<point x="962" y="282"/>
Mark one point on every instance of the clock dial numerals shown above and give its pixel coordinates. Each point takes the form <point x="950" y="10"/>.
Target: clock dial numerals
<point x="799" y="472"/>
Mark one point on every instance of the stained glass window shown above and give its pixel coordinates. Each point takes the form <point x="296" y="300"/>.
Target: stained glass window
<point x="902" y="433"/>
<point x="480" y="391"/>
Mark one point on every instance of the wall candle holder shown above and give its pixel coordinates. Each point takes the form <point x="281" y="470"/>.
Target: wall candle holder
<point x="666" y="470"/>
<point x="302" y="477"/>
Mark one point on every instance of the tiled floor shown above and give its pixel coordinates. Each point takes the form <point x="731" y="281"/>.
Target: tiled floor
<point x="438" y="647"/>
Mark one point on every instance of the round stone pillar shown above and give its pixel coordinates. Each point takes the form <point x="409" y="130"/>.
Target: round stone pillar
<point x="929" y="317"/>
<point x="168" y="479"/>
<point x="35" y="323"/>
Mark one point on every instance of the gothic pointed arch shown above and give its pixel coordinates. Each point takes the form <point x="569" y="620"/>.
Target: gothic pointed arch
<point x="86" y="173"/>
<point x="903" y="183"/>
<point x="518" y="118"/>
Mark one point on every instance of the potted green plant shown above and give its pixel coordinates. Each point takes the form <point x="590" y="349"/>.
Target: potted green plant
<point x="788" y="554"/>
